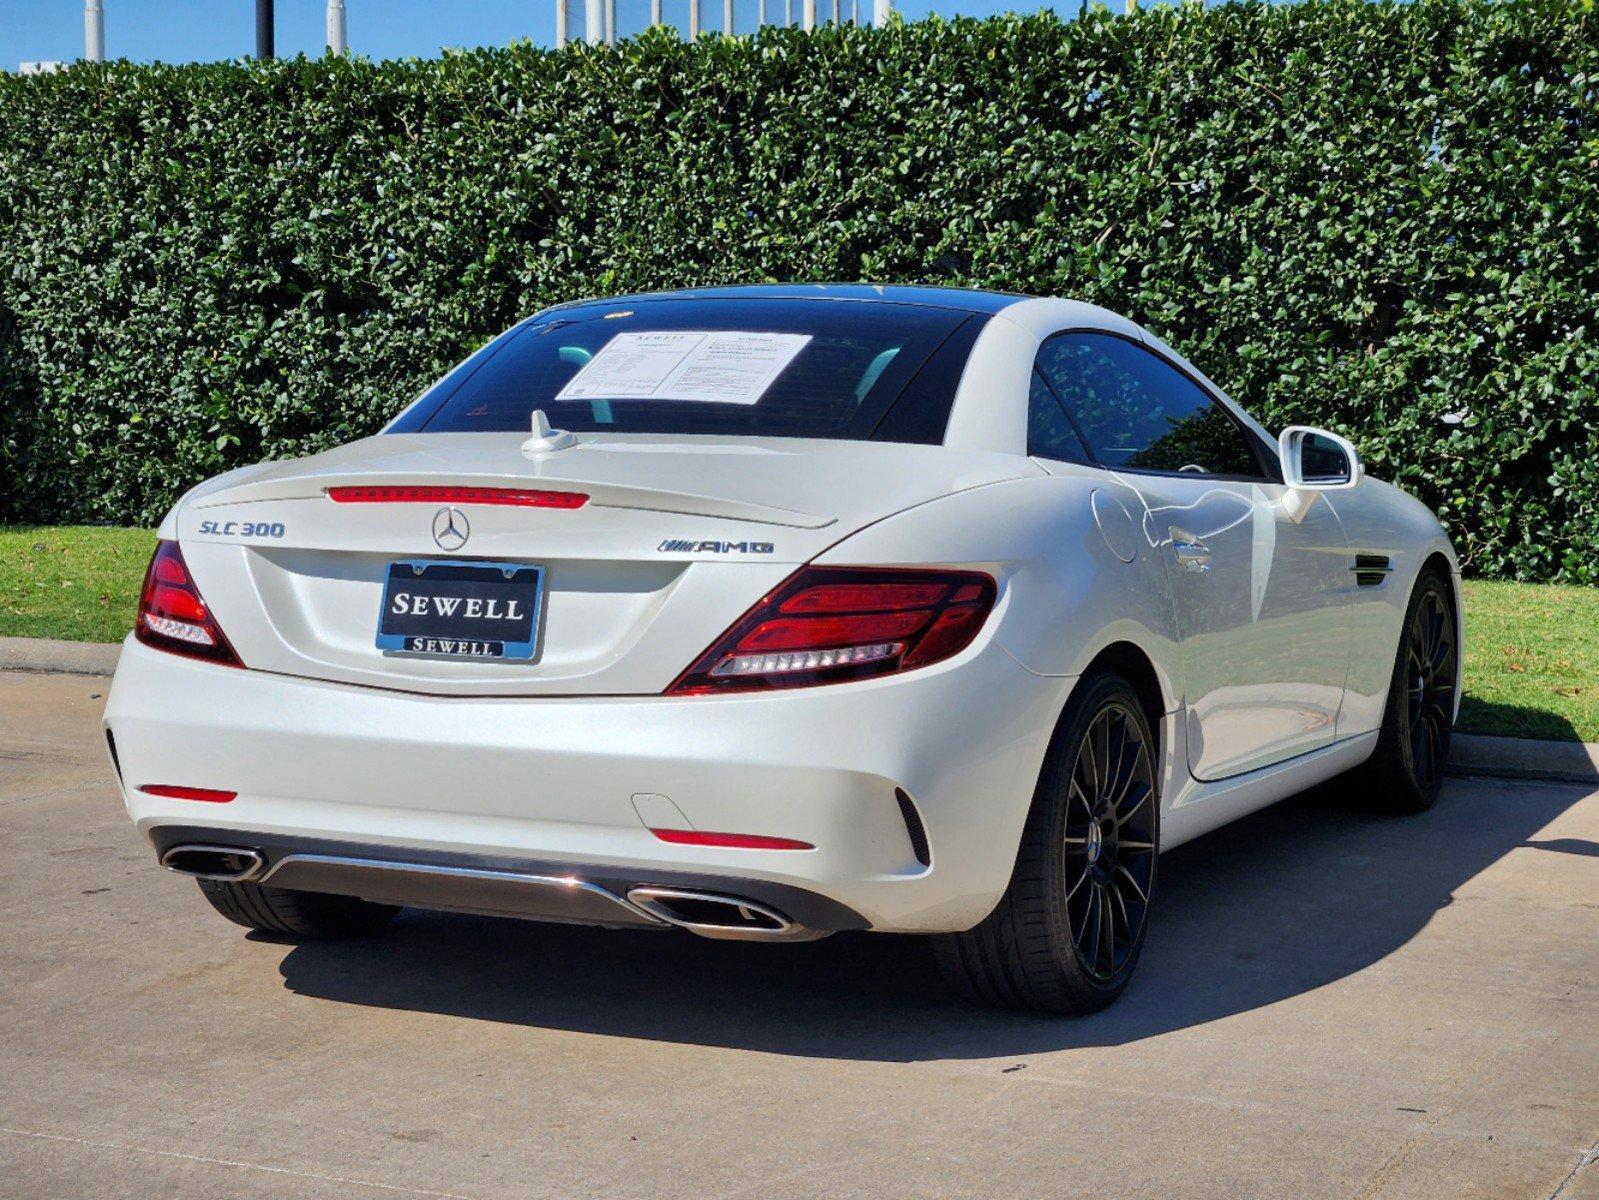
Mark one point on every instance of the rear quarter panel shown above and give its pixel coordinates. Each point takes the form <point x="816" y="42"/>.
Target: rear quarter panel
<point x="1065" y="595"/>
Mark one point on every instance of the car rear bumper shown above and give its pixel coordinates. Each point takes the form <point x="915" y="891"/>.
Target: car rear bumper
<point x="555" y="787"/>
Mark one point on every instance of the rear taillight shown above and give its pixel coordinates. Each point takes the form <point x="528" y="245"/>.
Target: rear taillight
<point x="172" y="615"/>
<point x="834" y="624"/>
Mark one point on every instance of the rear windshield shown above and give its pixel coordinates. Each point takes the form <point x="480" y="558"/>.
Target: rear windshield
<point x="772" y="368"/>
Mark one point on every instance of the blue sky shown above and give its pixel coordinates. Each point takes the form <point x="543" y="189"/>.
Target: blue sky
<point x="208" y="30"/>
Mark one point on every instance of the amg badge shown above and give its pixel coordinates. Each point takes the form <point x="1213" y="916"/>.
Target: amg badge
<point x="687" y="546"/>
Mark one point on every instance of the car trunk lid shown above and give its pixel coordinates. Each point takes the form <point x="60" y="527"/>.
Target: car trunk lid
<point x="678" y="536"/>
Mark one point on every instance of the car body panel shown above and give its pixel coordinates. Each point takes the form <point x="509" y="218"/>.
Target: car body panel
<point x="680" y="536"/>
<point x="555" y="777"/>
<point x="1381" y="520"/>
<point x="1262" y="614"/>
<point x="1066" y="596"/>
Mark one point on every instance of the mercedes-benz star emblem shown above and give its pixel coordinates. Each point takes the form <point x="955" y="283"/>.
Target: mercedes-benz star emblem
<point x="451" y="528"/>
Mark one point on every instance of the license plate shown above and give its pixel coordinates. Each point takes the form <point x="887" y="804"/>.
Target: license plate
<point x="461" y="610"/>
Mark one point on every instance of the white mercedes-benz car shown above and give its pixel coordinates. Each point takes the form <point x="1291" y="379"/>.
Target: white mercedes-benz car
<point x="771" y="612"/>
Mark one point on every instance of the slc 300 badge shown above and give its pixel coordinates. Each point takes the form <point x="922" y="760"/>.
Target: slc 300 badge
<point x="259" y="529"/>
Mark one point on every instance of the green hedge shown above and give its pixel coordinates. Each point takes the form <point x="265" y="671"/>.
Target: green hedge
<point x="1382" y="218"/>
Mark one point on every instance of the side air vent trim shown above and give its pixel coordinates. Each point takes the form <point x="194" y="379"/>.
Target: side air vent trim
<point x="914" y="828"/>
<point x="1371" y="569"/>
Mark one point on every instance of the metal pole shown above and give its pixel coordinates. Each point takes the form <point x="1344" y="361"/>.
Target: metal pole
<point x="838" y="12"/>
<point x="788" y="13"/>
<point x="760" y="15"/>
<point x="693" y="19"/>
<point x="882" y="10"/>
<point x="337" y="26"/>
<point x="560" y="23"/>
<point x="727" y="17"/>
<point x="808" y="15"/>
<point x="593" y="22"/>
<point x="854" y="12"/>
<point x="610" y="22"/>
<point x="263" y="29"/>
<point x="93" y="31"/>
<point x="655" y="12"/>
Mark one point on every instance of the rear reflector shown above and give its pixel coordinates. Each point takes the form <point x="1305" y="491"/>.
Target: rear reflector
<point x="734" y="841"/>
<point x="835" y="624"/>
<point x="173" y="791"/>
<point x="515" y="497"/>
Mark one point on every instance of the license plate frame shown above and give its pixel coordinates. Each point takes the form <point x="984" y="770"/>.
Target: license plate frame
<point x="421" y="635"/>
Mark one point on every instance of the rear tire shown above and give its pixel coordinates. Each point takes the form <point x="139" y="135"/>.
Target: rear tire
<point x="1066" y="936"/>
<point x="285" y="913"/>
<point x="1405" y="772"/>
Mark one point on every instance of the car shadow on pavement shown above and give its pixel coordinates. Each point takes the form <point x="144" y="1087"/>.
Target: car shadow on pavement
<point x="1273" y="906"/>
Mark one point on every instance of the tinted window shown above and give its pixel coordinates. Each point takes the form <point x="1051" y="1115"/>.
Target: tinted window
<point x="1136" y="411"/>
<point x="1049" y="432"/>
<point x="858" y="360"/>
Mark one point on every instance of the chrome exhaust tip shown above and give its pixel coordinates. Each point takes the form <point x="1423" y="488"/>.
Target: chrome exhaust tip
<point x="221" y="864"/>
<point x="716" y="916"/>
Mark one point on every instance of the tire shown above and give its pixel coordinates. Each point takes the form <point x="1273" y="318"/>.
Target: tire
<point x="1405" y="772"/>
<point x="1046" y="945"/>
<point x="285" y="913"/>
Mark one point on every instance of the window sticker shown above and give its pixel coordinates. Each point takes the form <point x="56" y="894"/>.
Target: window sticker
<point x="721" y="367"/>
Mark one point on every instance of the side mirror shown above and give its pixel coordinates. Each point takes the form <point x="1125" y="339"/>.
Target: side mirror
<point x="1317" y="460"/>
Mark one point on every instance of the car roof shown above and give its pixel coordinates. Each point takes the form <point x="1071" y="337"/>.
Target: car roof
<point x="962" y="299"/>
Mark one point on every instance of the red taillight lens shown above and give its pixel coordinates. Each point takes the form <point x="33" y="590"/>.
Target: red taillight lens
<point x="833" y="624"/>
<point x="517" y="497"/>
<point x="865" y="597"/>
<point x="808" y="633"/>
<point x="172" y="615"/>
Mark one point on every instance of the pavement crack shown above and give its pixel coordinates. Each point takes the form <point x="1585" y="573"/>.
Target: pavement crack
<point x="1590" y="1156"/>
<point x="60" y="791"/>
<point x="230" y="1162"/>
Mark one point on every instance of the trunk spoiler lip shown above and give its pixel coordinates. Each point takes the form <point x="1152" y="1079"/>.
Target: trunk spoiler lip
<point x="601" y="495"/>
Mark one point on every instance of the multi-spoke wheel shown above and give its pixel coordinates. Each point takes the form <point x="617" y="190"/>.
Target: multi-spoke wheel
<point x="1430" y="686"/>
<point x="1406" y="770"/>
<point x="1109" y="844"/>
<point x="1066" y="935"/>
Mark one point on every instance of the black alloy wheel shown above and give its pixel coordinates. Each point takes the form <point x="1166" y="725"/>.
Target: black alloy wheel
<point x="1429" y="688"/>
<point x="1109" y="842"/>
<point x="1406" y="770"/>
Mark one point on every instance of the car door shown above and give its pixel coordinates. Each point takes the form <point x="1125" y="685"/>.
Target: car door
<point x="1259" y="579"/>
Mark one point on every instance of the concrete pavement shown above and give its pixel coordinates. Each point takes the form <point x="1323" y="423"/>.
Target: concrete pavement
<point x="1330" y="1005"/>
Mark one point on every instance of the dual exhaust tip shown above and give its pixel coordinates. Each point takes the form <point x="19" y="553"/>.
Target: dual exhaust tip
<point x="222" y="864"/>
<point x="709" y="914"/>
<point x="712" y="915"/>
